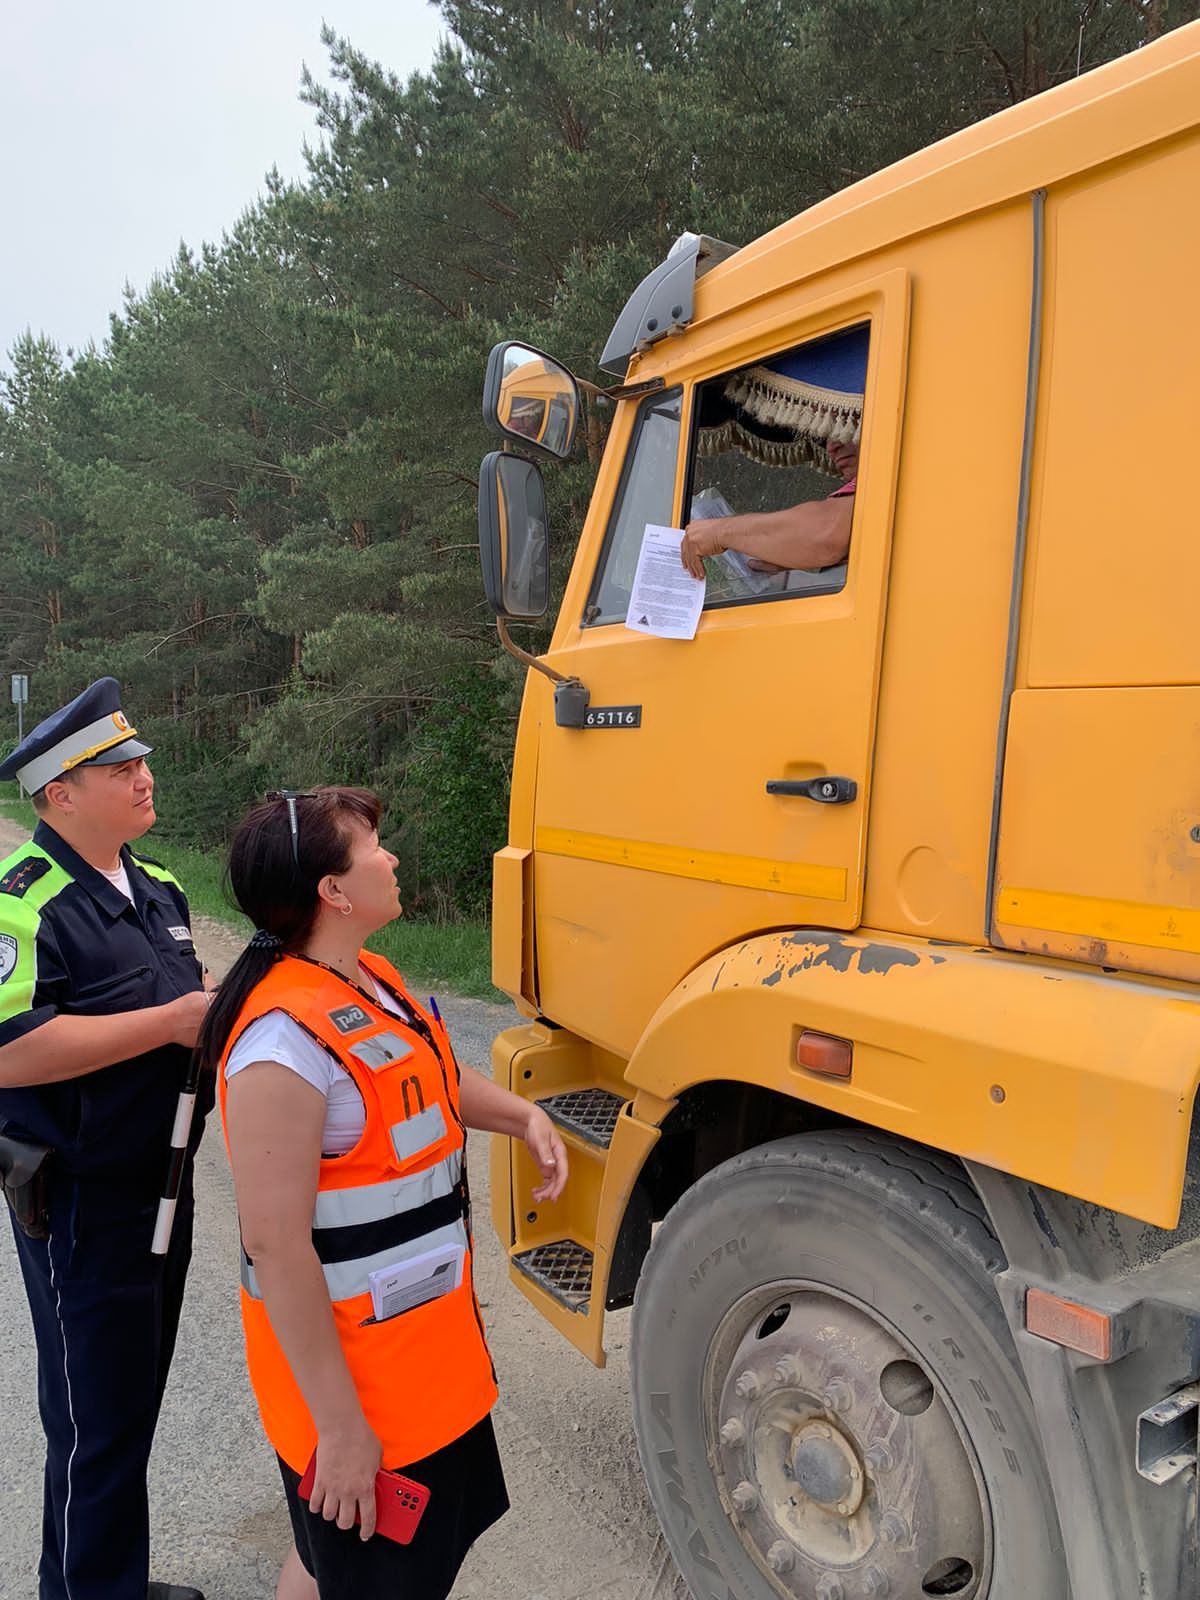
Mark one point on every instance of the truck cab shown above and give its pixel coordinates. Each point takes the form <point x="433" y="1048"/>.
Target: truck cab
<point x="858" y="936"/>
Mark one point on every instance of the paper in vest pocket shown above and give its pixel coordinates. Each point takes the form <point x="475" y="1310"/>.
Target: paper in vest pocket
<point x="411" y="1283"/>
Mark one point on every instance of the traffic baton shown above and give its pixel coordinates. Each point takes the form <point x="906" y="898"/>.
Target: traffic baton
<point x="179" y="1143"/>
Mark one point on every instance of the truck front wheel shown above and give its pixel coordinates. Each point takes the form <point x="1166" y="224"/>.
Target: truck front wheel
<point x="827" y="1399"/>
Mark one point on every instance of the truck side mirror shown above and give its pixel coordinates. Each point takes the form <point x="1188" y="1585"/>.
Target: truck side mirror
<point x="531" y="399"/>
<point x="514" y="540"/>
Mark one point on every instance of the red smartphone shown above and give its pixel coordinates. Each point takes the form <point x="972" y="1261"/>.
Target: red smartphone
<point x="399" y="1502"/>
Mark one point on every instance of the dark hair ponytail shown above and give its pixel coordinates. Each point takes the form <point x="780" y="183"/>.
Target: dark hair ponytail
<point x="277" y="889"/>
<point x="244" y="976"/>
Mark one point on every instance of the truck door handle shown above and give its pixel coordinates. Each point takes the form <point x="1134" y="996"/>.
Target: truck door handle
<point x="825" y="791"/>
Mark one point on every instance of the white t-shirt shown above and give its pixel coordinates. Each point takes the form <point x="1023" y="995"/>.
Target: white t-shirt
<point x="275" y="1037"/>
<point x="119" y="879"/>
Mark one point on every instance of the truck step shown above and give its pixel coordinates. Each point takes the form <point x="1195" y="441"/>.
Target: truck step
<point x="563" y="1269"/>
<point x="590" y="1114"/>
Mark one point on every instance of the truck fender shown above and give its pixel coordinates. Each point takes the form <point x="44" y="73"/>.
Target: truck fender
<point x="1056" y="1073"/>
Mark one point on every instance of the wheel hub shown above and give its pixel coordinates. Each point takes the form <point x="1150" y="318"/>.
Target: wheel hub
<point x="837" y="1459"/>
<point x="825" y="1468"/>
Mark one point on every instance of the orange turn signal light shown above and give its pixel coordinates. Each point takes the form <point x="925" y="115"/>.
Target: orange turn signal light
<point x="824" y="1053"/>
<point x="1063" y="1322"/>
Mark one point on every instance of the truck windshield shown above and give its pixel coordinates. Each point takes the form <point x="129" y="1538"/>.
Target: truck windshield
<point x="646" y="494"/>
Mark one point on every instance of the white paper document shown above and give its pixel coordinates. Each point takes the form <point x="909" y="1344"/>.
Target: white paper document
<point x="666" y="599"/>
<point x="413" y="1282"/>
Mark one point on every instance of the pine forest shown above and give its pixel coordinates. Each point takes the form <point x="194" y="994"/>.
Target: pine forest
<point x="254" y="503"/>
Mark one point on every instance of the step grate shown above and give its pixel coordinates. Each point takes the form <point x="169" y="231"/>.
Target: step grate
<point x="590" y="1113"/>
<point x="563" y="1268"/>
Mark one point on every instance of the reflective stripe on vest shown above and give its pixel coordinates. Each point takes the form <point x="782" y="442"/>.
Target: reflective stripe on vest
<point x="427" y="1127"/>
<point x="345" y="1279"/>
<point x="356" y="1231"/>
<point x="343" y="1208"/>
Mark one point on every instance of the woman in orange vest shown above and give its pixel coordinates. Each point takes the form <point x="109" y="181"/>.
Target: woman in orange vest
<point x="345" y="1118"/>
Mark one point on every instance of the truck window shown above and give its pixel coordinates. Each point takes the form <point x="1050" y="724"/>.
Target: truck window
<point x="646" y="494"/>
<point x="773" y="469"/>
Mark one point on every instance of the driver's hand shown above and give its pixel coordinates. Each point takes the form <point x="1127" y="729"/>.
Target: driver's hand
<point x="701" y="538"/>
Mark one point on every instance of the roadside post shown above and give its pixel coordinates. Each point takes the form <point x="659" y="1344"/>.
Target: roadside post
<point x="20" y="698"/>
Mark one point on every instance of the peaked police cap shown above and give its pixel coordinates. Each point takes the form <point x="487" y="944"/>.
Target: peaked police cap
<point x="91" y="731"/>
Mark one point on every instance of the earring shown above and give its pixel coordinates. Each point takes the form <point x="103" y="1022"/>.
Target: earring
<point x="347" y="909"/>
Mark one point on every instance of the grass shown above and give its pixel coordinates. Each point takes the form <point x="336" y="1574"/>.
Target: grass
<point x="18" y="811"/>
<point x="442" y="955"/>
<point x="434" y="955"/>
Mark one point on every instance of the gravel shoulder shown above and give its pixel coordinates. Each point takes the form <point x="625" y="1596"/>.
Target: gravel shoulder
<point x="581" y="1524"/>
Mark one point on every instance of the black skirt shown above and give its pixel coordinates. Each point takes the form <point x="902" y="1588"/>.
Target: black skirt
<point x="466" y="1495"/>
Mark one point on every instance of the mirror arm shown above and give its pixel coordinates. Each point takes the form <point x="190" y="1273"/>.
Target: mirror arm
<point x="620" y="391"/>
<point x="631" y="391"/>
<point x="523" y="655"/>
<point x="571" y="696"/>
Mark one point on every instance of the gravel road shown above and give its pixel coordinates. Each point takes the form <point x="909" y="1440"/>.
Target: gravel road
<point x="581" y="1524"/>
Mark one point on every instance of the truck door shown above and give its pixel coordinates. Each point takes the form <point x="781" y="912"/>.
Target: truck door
<point x="657" y="839"/>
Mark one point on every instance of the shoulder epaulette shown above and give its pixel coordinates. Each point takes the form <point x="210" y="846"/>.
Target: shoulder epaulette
<point x="19" y="879"/>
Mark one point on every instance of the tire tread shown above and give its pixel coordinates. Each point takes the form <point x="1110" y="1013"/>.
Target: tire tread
<point x="934" y="1185"/>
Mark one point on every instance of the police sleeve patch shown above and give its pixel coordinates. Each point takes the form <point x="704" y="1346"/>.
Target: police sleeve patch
<point x="8" y="956"/>
<point x="18" y="880"/>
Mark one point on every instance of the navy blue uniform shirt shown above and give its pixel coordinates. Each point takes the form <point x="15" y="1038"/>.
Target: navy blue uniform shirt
<point x="72" y="944"/>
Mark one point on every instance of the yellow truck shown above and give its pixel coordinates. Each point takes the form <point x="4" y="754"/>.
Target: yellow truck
<point x="858" y="935"/>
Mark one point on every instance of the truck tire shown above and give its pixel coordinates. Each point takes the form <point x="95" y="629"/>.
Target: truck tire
<point x="827" y="1399"/>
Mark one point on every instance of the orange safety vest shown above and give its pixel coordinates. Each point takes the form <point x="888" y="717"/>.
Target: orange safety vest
<point x="423" y="1376"/>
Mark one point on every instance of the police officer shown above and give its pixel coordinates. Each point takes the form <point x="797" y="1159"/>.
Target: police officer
<point x="101" y="997"/>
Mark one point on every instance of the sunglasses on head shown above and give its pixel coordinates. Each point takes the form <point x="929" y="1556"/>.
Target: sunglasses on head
<point x="291" y="796"/>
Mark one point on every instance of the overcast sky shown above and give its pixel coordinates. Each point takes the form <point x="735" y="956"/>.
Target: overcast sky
<point x="128" y="127"/>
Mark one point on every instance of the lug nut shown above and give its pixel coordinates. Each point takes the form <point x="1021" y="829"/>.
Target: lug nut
<point x="786" y="1370"/>
<point x="892" y="1528"/>
<point x="879" y="1457"/>
<point x="745" y="1496"/>
<point x="747" y="1385"/>
<point x="875" y="1583"/>
<point x="781" y="1557"/>
<point x="732" y="1431"/>
<point x="830" y="1588"/>
<point x="838" y="1395"/>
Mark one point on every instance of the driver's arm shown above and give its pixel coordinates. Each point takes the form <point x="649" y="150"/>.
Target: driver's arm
<point x="815" y="533"/>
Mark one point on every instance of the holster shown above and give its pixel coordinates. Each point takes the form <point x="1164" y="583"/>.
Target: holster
<point x="23" y="1165"/>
